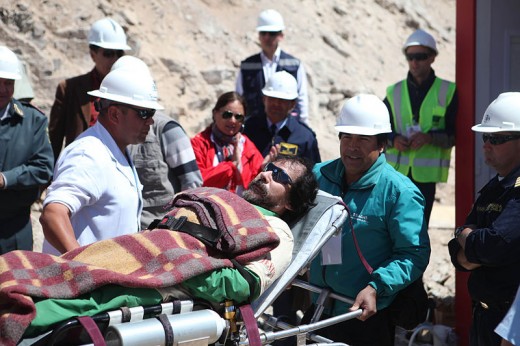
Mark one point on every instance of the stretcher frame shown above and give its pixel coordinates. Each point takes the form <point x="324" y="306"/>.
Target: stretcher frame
<point x="322" y="222"/>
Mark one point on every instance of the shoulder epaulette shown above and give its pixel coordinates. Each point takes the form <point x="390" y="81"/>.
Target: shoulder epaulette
<point x="17" y="110"/>
<point x="30" y="105"/>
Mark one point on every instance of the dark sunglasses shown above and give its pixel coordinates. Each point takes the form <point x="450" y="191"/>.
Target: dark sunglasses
<point x="228" y="114"/>
<point x="144" y="114"/>
<point x="270" y="33"/>
<point x="498" y="139"/>
<point x="279" y="175"/>
<point x="110" y="53"/>
<point x="417" y="56"/>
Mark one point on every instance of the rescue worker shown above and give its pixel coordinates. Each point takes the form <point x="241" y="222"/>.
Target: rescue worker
<point x="165" y="161"/>
<point x="487" y="244"/>
<point x="257" y="69"/>
<point x="26" y="161"/>
<point x="96" y="193"/>
<point x="422" y="109"/>
<point x="73" y="109"/>
<point x="392" y="248"/>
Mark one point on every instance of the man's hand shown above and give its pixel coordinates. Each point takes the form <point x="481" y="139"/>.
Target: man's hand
<point x="366" y="300"/>
<point x="419" y="139"/>
<point x="463" y="261"/>
<point x="2" y="182"/>
<point x="271" y="156"/>
<point x="401" y="143"/>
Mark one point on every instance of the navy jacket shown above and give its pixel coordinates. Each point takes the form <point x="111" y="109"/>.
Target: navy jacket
<point x="253" y="80"/>
<point x="302" y="138"/>
<point x="495" y="242"/>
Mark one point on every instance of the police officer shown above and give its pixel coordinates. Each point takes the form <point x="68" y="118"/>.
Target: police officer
<point x="487" y="244"/>
<point x="422" y="111"/>
<point x="277" y="132"/>
<point x="26" y="160"/>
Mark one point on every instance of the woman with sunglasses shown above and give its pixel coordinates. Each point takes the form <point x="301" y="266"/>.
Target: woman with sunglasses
<point x="227" y="158"/>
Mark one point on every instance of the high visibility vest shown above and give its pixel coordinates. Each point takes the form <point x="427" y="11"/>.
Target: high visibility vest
<point x="429" y="163"/>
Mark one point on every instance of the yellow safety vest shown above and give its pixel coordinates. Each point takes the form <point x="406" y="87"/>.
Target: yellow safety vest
<point x="429" y="163"/>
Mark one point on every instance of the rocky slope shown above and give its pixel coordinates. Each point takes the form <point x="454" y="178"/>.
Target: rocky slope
<point x="195" y="47"/>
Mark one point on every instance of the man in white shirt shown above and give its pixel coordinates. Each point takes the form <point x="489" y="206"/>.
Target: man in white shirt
<point x="258" y="68"/>
<point x="96" y="193"/>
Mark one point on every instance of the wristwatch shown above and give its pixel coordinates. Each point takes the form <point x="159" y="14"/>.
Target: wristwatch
<point x="458" y="231"/>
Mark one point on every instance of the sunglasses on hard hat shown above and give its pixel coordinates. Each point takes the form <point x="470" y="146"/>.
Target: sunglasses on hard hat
<point x="279" y="175"/>
<point x="498" y="139"/>
<point x="270" y="33"/>
<point x="143" y="113"/>
<point x="228" y="114"/>
<point x="417" y="56"/>
<point x="110" y="53"/>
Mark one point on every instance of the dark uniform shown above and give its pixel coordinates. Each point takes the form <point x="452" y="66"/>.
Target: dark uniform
<point x="295" y="138"/>
<point x="26" y="161"/>
<point x="495" y="244"/>
<point x="253" y="80"/>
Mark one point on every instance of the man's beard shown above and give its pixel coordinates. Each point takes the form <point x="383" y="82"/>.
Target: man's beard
<point x="257" y="194"/>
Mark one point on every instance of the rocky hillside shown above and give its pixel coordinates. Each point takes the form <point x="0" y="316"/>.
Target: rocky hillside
<point x="195" y="47"/>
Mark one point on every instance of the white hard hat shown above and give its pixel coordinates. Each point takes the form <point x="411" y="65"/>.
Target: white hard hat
<point x="420" y="38"/>
<point x="270" y="20"/>
<point x="132" y="63"/>
<point x="107" y="34"/>
<point x="9" y="64"/>
<point x="364" y="114"/>
<point x="281" y="85"/>
<point x="503" y="114"/>
<point x="136" y="89"/>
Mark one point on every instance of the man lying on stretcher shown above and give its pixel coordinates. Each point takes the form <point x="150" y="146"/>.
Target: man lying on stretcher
<point x="150" y="267"/>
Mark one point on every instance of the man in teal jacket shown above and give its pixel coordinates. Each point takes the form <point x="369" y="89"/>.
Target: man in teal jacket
<point x="387" y="218"/>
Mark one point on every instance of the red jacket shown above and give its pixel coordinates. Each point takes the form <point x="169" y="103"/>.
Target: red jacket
<point x="223" y="175"/>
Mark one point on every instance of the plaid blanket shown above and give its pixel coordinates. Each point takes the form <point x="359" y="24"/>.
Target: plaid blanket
<point x="159" y="258"/>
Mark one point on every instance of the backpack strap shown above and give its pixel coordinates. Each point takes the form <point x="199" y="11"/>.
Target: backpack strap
<point x="207" y="235"/>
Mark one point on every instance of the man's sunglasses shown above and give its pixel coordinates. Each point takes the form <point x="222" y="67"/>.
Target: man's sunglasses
<point x="417" y="56"/>
<point x="144" y="114"/>
<point x="498" y="139"/>
<point x="270" y="33"/>
<point x="110" y="53"/>
<point x="279" y="175"/>
<point x="228" y="114"/>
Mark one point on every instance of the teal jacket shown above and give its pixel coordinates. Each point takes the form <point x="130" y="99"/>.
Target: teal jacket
<point x="387" y="217"/>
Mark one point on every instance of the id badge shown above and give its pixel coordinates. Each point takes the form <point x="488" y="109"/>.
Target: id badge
<point x="331" y="251"/>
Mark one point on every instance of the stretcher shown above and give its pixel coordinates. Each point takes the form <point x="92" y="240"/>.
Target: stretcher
<point x="194" y="322"/>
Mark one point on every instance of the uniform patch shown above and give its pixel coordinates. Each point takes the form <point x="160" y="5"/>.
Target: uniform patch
<point x="517" y="182"/>
<point x="288" y="149"/>
<point x="494" y="207"/>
